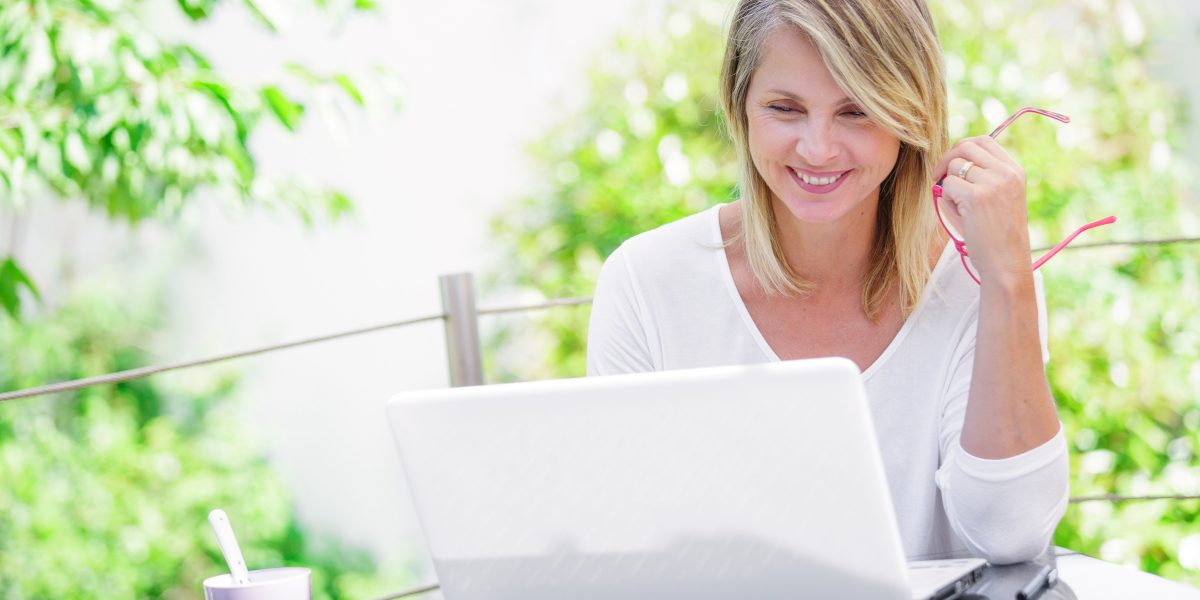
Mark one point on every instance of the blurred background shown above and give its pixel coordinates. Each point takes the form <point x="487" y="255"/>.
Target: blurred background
<point x="184" y="178"/>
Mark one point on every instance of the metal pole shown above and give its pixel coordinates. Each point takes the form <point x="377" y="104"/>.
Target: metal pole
<point x="462" y="329"/>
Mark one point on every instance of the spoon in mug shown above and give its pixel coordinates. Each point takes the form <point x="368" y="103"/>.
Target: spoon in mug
<point x="229" y="546"/>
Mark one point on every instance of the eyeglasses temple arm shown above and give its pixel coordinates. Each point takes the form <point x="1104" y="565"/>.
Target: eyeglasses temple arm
<point x="1028" y="109"/>
<point x="1063" y="244"/>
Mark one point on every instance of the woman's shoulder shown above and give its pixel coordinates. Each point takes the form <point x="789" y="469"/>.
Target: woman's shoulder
<point x="949" y="289"/>
<point x="673" y="245"/>
<point x="669" y="265"/>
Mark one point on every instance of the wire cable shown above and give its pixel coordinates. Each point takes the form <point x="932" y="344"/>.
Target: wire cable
<point x="412" y="592"/>
<point x="141" y="372"/>
<point x="531" y="307"/>
<point x="1157" y="242"/>
<point x="1120" y="498"/>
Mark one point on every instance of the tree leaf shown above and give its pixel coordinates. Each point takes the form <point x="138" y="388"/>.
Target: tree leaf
<point x="196" y="10"/>
<point x="221" y="94"/>
<point x="100" y="13"/>
<point x="287" y="111"/>
<point x="338" y="205"/>
<point x="261" y="15"/>
<point x="12" y="279"/>
<point x="350" y="88"/>
<point x="304" y="73"/>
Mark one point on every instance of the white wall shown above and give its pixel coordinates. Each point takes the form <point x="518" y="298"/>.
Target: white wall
<point x="481" y="78"/>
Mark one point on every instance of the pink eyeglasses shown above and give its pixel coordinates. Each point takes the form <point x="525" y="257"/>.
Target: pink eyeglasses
<point x="961" y="246"/>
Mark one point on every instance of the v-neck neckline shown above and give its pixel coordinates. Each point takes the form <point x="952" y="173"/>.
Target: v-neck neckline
<point x="726" y="274"/>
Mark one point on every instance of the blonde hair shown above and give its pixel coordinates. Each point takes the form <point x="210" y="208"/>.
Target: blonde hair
<point x="885" y="55"/>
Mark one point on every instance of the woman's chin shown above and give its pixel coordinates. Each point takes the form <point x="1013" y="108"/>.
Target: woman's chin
<point x="815" y="212"/>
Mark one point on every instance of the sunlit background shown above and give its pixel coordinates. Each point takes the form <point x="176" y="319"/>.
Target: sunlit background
<point x="182" y="179"/>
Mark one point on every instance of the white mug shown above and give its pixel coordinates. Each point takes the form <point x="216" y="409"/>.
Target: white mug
<point x="286" y="583"/>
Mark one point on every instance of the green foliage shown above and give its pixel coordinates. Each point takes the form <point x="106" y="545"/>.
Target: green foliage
<point x="1125" y="349"/>
<point x="12" y="280"/>
<point x="648" y="149"/>
<point x="1123" y="367"/>
<point x="106" y="490"/>
<point x="94" y="105"/>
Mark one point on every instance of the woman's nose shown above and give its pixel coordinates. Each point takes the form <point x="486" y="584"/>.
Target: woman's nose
<point x="817" y="144"/>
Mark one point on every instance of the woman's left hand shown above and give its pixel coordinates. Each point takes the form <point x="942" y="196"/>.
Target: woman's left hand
<point x="988" y="207"/>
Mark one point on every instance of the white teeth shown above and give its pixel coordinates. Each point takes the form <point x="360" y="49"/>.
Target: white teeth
<point x="818" y="180"/>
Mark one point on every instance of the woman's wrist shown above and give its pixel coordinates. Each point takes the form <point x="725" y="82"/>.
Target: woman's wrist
<point x="1012" y="280"/>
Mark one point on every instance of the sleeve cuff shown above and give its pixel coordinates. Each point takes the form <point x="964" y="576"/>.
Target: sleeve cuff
<point x="1013" y="467"/>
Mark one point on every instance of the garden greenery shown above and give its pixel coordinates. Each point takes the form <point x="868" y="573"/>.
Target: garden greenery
<point x="105" y="491"/>
<point x="95" y="106"/>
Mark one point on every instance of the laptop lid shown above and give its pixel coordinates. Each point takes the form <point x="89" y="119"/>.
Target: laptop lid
<point x="748" y="481"/>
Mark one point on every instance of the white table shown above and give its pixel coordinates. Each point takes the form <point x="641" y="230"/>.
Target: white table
<point x="1093" y="579"/>
<point x="1080" y="578"/>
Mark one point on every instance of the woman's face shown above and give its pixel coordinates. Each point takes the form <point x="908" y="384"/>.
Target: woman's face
<point x="818" y="152"/>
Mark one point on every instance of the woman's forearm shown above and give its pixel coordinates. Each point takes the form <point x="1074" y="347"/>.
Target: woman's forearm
<point x="1010" y="409"/>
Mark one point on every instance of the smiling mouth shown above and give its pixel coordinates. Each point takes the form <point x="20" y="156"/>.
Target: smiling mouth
<point x="819" y="180"/>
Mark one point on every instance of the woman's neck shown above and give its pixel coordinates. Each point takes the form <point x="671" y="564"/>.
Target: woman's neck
<point x="836" y="254"/>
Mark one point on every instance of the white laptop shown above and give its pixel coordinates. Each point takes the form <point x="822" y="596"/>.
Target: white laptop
<point x="757" y="481"/>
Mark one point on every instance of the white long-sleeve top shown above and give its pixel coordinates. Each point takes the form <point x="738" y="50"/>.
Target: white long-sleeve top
<point x="666" y="299"/>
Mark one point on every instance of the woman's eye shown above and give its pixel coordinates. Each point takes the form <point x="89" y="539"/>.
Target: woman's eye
<point x="857" y="114"/>
<point x="782" y="109"/>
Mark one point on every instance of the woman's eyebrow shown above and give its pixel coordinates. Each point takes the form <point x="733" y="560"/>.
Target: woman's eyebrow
<point x="797" y="98"/>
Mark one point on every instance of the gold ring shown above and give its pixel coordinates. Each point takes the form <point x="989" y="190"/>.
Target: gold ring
<point x="963" y="170"/>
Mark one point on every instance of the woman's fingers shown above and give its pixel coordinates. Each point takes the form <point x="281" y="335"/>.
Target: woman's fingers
<point x="974" y="172"/>
<point x="972" y="149"/>
<point x="959" y="192"/>
<point x="986" y="204"/>
<point x="996" y="181"/>
<point x="994" y="148"/>
<point x="981" y="163"/>
<point x="948" y="205"/>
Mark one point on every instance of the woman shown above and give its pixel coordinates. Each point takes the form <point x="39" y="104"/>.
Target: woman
<point x="838" y="112"/>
